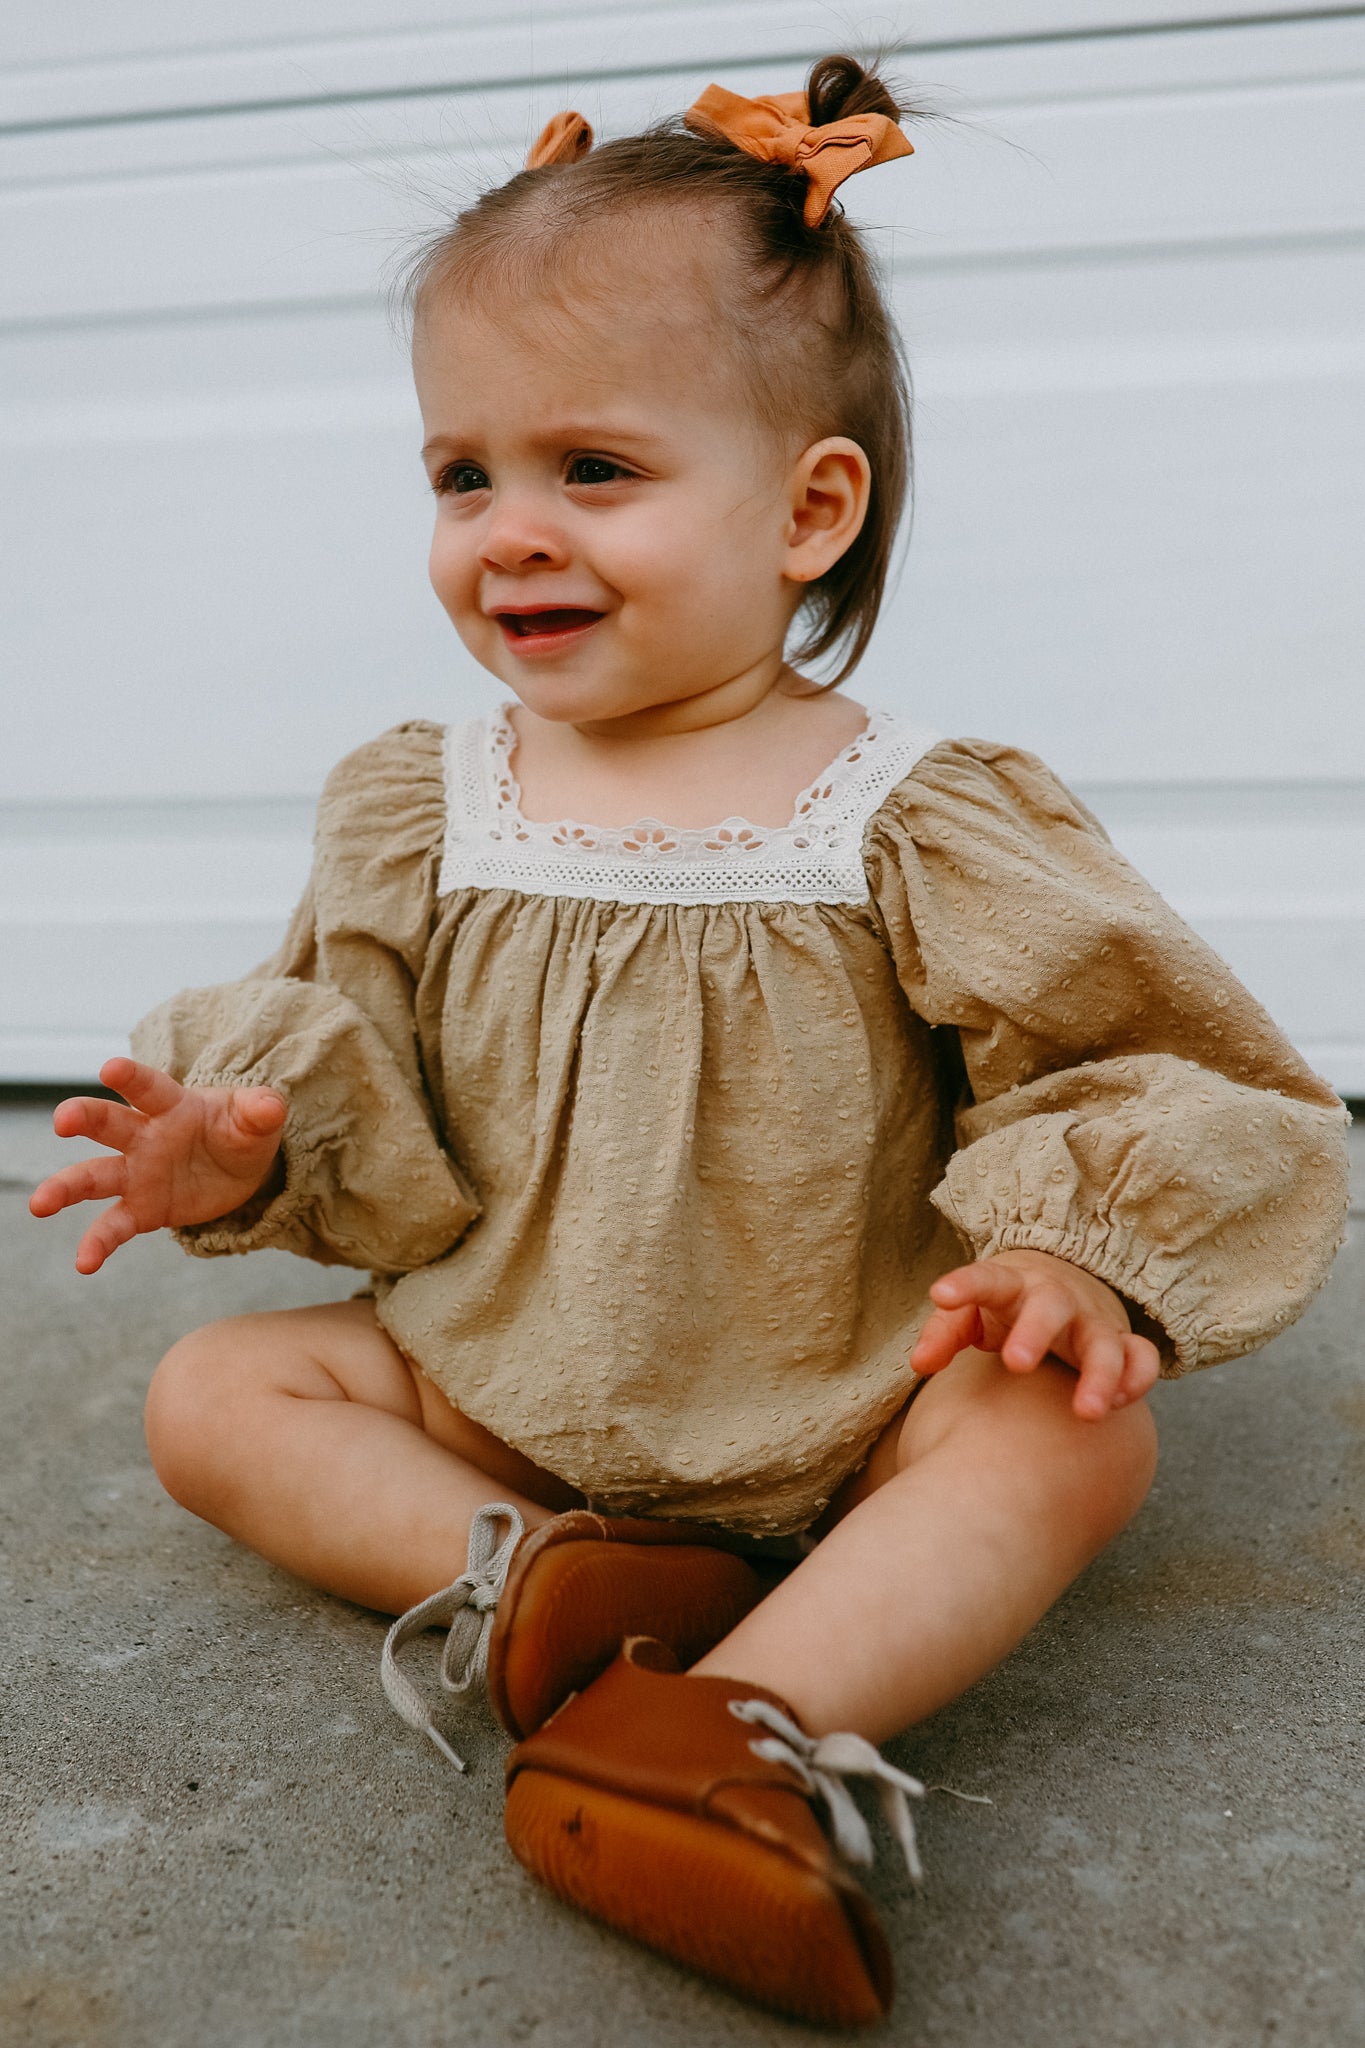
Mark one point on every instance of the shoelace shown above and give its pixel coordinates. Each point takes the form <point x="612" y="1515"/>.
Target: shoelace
<point x="466" y="1609"/>
<point x="822" y="1766"/>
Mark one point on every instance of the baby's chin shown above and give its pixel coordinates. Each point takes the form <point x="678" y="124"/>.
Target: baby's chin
<point x="564" y="695"/>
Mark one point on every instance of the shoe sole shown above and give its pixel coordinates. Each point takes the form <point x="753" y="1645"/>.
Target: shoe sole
<point x="706" y="1894"/>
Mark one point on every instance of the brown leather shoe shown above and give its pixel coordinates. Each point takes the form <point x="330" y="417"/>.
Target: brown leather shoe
<point x="647" y="1802"/>
<point x="580" y="1584"/>
<point x="540" y="1616"/>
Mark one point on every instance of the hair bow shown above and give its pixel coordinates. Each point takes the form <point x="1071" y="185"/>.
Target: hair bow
<point x="563" y="140"/>
<point x="777" y="130"/>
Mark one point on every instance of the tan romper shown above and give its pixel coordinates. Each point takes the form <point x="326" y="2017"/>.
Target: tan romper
<point x="654" y="1140"/>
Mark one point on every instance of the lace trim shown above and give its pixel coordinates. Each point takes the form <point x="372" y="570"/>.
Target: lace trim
<point x="815" y="858"/>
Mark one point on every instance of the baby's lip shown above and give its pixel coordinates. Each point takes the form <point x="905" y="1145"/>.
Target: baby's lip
<point x="526" y="621"/>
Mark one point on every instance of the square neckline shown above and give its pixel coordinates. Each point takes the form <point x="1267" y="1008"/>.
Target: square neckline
<point x="502" y="740"/>
<point x="817" y="857"/>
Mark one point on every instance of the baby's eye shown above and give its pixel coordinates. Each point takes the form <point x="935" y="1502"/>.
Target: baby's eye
<point x="594" y="469"/>
<point x="461" y="477"/>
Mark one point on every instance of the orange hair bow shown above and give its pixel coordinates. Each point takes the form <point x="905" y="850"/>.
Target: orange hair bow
<point x="563" y="140"/>
<point x="777" y="130"/>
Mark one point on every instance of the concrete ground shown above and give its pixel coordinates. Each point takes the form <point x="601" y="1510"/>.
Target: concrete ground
<point x="220" y="1835"/>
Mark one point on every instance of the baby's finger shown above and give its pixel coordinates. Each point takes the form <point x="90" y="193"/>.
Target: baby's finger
<point x="90" y="1116"/>
<point x="947" y="1332"/>
<point x="1045" y="1314"/>
<point x="985" y="1283"/>
<point x="147" y="1088"/>
<point x="88" y="1180"/>
<point x="104" y="1237"/>
<point x="258" y="1111"/>
<point x="1100" y="1359"/>
<point x="1141" y="1370"/>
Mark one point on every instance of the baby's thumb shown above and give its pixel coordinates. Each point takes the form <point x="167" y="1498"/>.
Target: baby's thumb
<point x="258" y="1111"/>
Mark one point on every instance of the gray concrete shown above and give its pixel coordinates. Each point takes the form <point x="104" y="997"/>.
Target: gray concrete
<point x="219" y="1834"/>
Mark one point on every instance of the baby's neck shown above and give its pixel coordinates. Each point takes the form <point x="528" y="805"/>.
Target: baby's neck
<point x="753" y="766"/>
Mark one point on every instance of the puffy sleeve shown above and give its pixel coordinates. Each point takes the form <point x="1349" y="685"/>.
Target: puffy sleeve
<point x="329" y="1021"/>
<point x="1128" y="1106"/>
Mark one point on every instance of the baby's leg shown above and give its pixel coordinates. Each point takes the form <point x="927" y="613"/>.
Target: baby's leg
<point x="975" y="1511"/>
<point x="308" y="1436"/>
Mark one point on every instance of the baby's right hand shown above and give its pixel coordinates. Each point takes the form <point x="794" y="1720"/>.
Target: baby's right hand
<point x="187" y="1155"/>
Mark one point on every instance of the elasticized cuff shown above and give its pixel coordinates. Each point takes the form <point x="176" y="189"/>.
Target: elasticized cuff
<point x="1185" y="1335"/>
<point x="1179" y="1338"/>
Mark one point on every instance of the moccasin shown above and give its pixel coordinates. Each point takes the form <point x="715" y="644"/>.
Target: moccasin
<point x="538" y="1617"/>
<point x="579" y="1585"/>
<point x="647" y="1802"/>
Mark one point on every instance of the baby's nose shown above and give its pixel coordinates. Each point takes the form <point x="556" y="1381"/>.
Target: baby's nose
<point x="520" y="537"/>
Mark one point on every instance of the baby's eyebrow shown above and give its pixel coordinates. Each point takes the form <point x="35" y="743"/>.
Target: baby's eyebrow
<point x="589" y="433"/>
<point x="572" y="433"/>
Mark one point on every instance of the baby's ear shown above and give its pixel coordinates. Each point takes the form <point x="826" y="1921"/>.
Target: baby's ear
<point x="830" y="488"/>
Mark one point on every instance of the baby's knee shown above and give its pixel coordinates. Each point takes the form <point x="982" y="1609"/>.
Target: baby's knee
<point x="188" y="1412"/>
<point x="1115" y="1464"/>
<point x="1023" y="1427"/>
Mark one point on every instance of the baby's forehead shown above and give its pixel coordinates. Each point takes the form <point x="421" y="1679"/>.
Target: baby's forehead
<point x="590" y="332"/>
<point x="626" y="348"/>
<point x="647" y="303"/>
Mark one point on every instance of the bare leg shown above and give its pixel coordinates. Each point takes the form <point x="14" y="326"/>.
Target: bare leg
<point x="308" y="1436"/>
<point x="974" y="1513"/>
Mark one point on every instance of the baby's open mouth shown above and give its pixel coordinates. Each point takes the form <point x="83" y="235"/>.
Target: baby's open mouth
<point x="549" y="623"/>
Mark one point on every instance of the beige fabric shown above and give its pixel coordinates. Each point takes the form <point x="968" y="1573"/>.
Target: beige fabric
<point x="656" y="1192"/>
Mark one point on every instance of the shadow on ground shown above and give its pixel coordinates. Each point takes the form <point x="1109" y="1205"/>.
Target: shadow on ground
<point x="219" y="1835"/>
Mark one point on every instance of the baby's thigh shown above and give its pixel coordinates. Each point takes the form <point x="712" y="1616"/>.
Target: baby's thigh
<point x="225" y="1372"/>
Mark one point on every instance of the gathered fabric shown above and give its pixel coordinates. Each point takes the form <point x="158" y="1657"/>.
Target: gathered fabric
<point x="653" y="1149"/>
<point x="777" y="129"/>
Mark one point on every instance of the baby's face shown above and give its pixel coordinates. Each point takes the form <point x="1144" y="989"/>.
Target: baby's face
<point x="611" y="528"/>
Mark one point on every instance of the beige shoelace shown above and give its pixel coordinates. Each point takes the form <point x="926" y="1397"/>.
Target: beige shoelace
<point x="466" y="1609"/>
<point x="823" y="1764"/>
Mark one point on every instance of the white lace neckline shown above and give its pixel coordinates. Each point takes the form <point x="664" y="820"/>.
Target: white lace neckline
<point x="816" y="857"/>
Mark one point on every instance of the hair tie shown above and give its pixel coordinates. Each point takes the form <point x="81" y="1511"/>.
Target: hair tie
<point x="777" y="130"/>
<point x="563" y="140"/>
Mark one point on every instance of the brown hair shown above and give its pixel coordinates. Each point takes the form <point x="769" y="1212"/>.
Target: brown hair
<point x="801" y="309"/>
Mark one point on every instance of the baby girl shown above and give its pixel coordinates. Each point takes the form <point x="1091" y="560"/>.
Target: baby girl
<point x="758" y="1117"/>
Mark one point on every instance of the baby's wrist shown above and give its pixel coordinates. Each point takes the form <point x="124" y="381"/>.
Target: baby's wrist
<point x="1047" y="1265"/>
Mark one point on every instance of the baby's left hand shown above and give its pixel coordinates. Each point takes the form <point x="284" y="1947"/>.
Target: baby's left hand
<point x="1027" y="1306"/>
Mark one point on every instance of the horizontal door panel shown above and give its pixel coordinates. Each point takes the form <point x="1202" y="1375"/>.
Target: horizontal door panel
<point x="480" y="131"/>
<point x="221" y="614"/>
<point x="82" y="62"/>
<point x="1100" y="176"/>
<point x="1165" y="574"/>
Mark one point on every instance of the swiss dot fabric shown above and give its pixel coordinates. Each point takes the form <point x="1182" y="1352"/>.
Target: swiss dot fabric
<point x="655" y="1191"/>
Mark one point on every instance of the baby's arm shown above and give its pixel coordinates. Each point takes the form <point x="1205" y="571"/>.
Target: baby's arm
<point x="182" y="1155"/>
<point x="296" y="1099"/>
<point x="1028" y="1306"/>
<point x="1123" y="1106"/>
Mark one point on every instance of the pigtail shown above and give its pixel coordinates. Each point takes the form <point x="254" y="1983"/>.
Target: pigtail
<point x="839" y="87"/>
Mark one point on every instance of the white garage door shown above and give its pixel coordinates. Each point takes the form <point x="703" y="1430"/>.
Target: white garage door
<point x="1132" y="275"/>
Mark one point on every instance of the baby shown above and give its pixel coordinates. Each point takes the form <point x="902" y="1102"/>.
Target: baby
<point x="759" y="1118"/>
